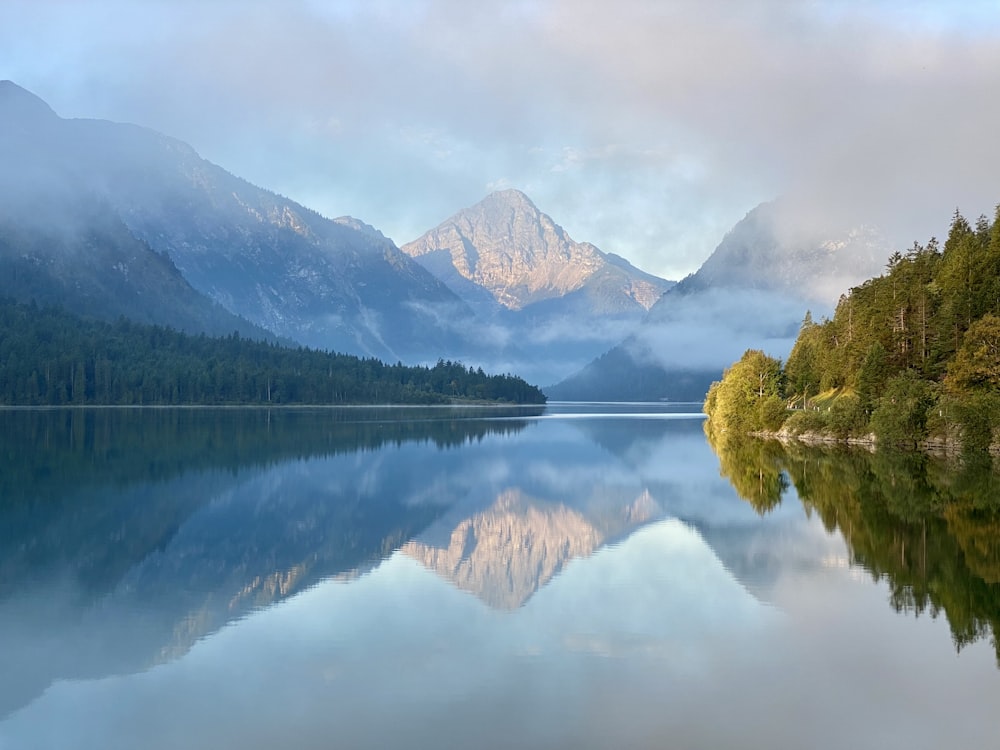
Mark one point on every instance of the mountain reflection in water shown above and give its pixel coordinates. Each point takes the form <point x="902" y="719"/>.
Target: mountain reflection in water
<point x="127" y="535"/>
<point x="506" y="552"/>
<point x="573" y="576"/>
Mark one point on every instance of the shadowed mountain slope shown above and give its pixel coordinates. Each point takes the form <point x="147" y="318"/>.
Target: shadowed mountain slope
<point x="331" y="284"/>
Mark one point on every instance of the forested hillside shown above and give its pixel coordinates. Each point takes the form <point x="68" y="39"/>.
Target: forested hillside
<point x="910" y="356"/>
<point x="49" y="357"/>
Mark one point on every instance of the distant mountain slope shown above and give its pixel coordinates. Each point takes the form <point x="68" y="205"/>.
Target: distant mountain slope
<point x="752" y="292"/>
<point x="328" y="284"/>
<point x="772" y="249"/>
<point x="92" y="266"/>
<point x="562" y="301"/>
<point x="61" y="245"/>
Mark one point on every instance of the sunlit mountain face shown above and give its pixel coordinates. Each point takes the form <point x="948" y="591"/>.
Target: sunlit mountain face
<point x="508" y="248"/>
<point x="560" y="301"/>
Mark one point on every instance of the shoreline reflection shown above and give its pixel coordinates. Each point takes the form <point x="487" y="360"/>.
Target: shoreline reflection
<point x="929" y="527"/>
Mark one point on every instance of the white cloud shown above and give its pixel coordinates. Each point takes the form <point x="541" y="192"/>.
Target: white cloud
<point x="645" y="128"/>
<point x="712" y="329"/>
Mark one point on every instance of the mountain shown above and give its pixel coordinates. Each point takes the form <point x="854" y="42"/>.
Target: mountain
<point x="562" y="301"/>
<point x="772" y="250"/>
<point x="507" y="247"/>
<point x="331" y="284"/>
<point x="505" y="553"/>
<point x="62" y="245"/>
<point x="752" y="292"/>
<point x="88" y="262"/>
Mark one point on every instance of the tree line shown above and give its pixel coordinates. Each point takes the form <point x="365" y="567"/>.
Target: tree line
<point x="49" y="357"/>
<point x="910" y="356"/>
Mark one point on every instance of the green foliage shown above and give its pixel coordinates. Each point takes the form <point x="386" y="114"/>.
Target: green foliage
<point x="771" y="412"/>
<point x="735" y="402"/>
<point x="872" y="376"/>
<point x="913" y="352"/>
<point x="978" y="415"/>
<point x="846" y="416"/>
<point x="50" y="358"/>
<point x="711" y="404"/>
<point x="803" y="371"/>
<point x="800" y="422"/>
<point x="976" y="365"/>
<point x="901" y="415"/>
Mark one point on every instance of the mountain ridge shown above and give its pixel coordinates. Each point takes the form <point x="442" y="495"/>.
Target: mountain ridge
<point x="769" y="263"/>
<point x="323" y="283"/>
<point x="507" y="246"/>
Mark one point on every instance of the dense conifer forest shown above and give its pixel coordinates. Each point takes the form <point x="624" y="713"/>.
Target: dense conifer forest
<point x="909" y="357"/>
<point x="49" y="357"/>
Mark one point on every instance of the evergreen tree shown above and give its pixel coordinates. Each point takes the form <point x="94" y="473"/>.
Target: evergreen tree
<point x="49" y="357"/>
<point x="803" y="371"/>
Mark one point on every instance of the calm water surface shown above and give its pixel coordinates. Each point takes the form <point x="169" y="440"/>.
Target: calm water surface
<point x="574" y="576"/>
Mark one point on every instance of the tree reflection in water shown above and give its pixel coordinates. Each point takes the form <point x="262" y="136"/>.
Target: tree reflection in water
<point x="929" y="527"/>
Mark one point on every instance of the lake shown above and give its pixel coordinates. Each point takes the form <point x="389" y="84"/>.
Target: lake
<point x="568" y="576"/>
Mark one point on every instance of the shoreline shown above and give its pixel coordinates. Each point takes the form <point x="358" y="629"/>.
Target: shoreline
<point x="932" y="446"/>
<point x="437" y="405"/>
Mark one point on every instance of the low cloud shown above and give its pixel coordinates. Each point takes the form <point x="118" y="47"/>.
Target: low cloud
<point x="712" y="329"/>
<point x="645" y="128"/>
<point x="570" y="330"/>
<point x="454" y="318"/>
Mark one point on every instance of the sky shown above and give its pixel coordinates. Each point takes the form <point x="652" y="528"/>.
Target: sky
<point x="647" y="127"/>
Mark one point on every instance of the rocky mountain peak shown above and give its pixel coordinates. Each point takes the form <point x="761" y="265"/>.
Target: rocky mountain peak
<point x="505" y="210"/>
<point x="507" y="246"/>
<point x="509" y="225"/>
<point x="512" y="198"/>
